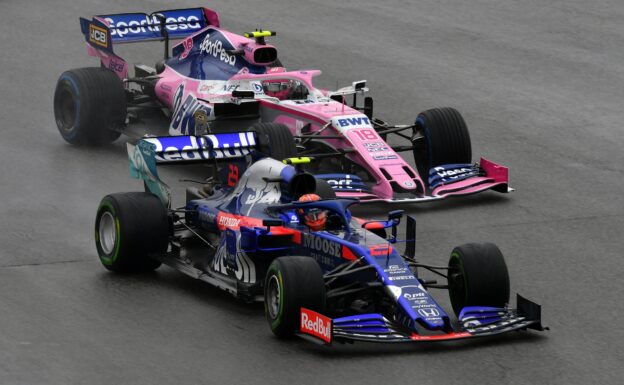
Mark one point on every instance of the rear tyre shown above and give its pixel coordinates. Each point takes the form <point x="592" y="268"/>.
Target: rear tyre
<point x="90" y="106"/>
<point x="275" y="140"/>
<point x="478" y="276"/>
<point x="128" y="227"/>
<point x="292" y="283"/>
<point x="446" y="140"/>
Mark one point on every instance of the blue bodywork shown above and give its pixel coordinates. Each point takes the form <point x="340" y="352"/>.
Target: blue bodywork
<point x="246" y="245"/>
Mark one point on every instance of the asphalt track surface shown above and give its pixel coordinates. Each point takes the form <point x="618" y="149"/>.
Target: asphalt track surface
<point x="540" y="84"/>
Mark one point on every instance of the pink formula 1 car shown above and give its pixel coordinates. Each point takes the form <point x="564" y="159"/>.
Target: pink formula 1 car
<point x="216" y="81"/>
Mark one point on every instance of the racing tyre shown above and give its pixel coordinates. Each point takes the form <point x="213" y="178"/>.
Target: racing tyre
<point x="275" y="140"/>
<point x="478" y="276"/>
<point x="292" y="283"/>
<point x="90" y="106"/>
<point x="128" y="227"/>
<point x="446" y="140"/>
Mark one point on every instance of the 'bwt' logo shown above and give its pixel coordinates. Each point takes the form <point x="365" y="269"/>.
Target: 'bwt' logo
<point x="359" y="121"/>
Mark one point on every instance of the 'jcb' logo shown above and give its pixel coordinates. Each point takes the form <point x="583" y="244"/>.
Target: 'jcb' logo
<point x="98" y="35"/>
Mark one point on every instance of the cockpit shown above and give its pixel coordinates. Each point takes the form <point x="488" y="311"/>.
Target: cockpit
<point x="285" y="89"/>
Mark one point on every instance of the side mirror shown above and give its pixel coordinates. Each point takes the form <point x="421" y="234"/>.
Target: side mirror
<point x="395" y="217"/>
<point x="243" y="94"/>
<point x="359" y="85"/>
<point x="395" y="214"/>
<point x="272" y="222"/>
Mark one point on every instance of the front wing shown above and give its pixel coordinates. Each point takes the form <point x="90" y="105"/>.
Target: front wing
<point x="473" y="322"/>
<point x="444" y="181"/>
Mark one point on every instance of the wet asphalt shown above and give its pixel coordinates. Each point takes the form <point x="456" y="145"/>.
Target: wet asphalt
<point x="540" y="84"/>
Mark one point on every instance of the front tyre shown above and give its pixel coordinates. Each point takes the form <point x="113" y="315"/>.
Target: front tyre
<point x="275" y="140"/>
<point x="446" y="140"/>
<point x="292" y="283"/>
<point x="477" y="276"/>
<point x="90" y="106"/>
<point x="129" y="227"/>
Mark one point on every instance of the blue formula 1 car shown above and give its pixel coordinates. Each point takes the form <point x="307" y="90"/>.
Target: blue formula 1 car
<point x="341" y="282"/>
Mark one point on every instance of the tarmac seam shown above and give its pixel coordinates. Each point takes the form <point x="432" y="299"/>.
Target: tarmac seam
<point x="43" y="263"/>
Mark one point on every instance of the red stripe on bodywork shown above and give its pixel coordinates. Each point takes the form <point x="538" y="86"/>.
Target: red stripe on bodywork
<point x="348" y="254"/>
<point x="449" y="336"/>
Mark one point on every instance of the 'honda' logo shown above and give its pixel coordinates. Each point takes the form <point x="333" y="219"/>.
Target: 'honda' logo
<point x="429" y="313"/>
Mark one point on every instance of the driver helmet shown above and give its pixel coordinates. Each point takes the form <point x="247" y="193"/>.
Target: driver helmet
<point x="315" y="218"/>
<point x="278" y="88"/>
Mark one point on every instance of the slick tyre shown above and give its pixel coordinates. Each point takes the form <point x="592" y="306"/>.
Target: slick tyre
<point x="128" y="228"/>
<point x="292" y="283"/>
<point x="90" y="106"/>
<point x="446" y="140"/>
<point x="275" y="140"/>
<point x="478" y="276"/>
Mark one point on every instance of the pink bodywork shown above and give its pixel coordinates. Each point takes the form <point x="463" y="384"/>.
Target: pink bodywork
<point x="387" y="167"/>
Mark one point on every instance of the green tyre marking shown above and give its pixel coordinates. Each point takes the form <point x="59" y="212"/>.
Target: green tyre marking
<point x="109" y="260"/>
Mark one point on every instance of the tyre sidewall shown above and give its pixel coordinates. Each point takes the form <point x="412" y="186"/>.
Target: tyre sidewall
<point x="67" y="83"/>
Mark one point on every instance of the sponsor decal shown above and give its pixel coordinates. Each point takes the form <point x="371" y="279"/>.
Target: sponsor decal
<point x="228" y="221"/>
<point x="213" y="146"/>
<point x="376" y="147"/>
<point x="429" y="312"/>
<point x="221" y="87"/>
<point x="355" y="121"/>
<point x="215" y="48"/>
<point x="206" y="86"/>
<point x="201" y="121"/>
<point x="257" y="88"/>
<point x="316" y="325"/>
<point x="401" y="278"/>
<point x="414" y="296"/>
<point x="165" y="87"/>
<point x="188" y="45"/>
<point x="206" y="215"/>
<point x="341" y="183"/>
<point x="453" y="173"/>
<point x="379" y="250"/>
<point x="98" y="35"/>
<point x="232" y="178"/>
<point x="396" y="269"/>
<point x="115" y="65"/>
<point x="184" y="114"/>
<point x="322" y="259"/>
<point x="123" y="27"/>
<point x="321" y="245"/>
<point x="384" y="157"/>
<point x="408" y="183"/>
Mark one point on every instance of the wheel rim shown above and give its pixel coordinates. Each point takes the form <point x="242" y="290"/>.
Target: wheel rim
<point x="273" y="297"/>
<point x="67" y="110"/>
<point x="107" y="232"/>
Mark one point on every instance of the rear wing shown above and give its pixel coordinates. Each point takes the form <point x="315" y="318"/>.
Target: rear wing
<point x="104" y="30"/>
<point x="150" y="152"/>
